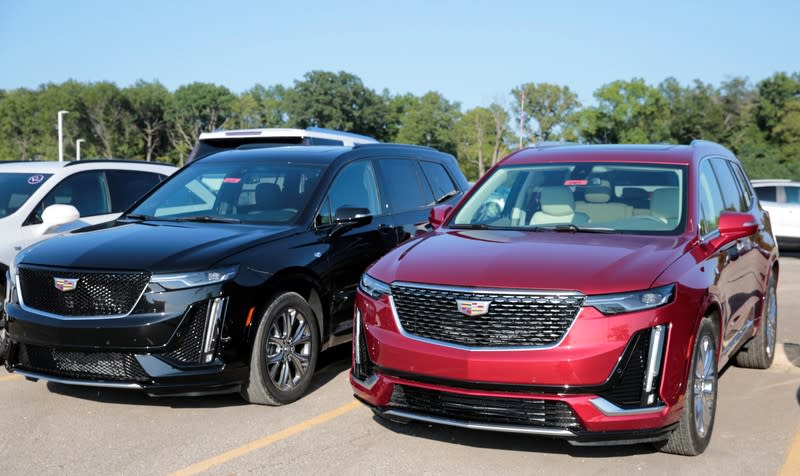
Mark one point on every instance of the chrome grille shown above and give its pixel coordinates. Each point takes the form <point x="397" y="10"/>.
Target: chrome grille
<point x="514" y="319"/>
<point x="95" y="293"/>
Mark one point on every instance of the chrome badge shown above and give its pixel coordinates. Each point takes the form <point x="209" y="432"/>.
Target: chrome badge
<point x="473" y="308"/>
<point x="65" y="284"/>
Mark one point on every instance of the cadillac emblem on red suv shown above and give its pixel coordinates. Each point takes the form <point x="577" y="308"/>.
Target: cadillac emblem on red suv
<point x="613" y="283"/>
<point x="473" y="308"/>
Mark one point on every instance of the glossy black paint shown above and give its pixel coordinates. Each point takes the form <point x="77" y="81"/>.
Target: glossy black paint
<point x="322" y="263"/>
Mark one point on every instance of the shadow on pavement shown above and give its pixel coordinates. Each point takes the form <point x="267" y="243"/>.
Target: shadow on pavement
<point x="792" y="352"/>
<point x="509" y="441"/>
<point x="331" y="363"/>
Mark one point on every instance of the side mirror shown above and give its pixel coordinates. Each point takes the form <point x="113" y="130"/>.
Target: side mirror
<point x="734" y="225"/>
<point x="352" y="216"/>
<point x="439" y="214"/>
<point x="57" y="215"/>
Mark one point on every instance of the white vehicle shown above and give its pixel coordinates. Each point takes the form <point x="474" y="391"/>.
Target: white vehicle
<point x="781" y="198"/>
<point x="210" y="142"/>
<point x="40" y="199"/>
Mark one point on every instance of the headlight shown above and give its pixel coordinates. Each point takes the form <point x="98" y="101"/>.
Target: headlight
<point x="374" y="288"/>
<point x="630" y="302"/>
<point x="191" y="280"/>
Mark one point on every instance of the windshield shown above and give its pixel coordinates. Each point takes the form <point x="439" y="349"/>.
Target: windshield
<point x="16" y="189"/>
<point x="275" y="192"/>
<point x="607" y="197"/>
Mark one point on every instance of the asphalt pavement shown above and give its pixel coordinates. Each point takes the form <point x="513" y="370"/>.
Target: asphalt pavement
<point x="57" y="429"/>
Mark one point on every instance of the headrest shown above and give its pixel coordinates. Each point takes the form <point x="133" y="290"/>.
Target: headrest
<point x="634" y="193"/>
<point x="557" y="201"/>
<point x="267" y="194"/>
<point x="598" y="192"/>
<point x="666" y="202"/>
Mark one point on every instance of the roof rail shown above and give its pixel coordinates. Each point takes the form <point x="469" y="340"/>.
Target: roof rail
<point x="118" y="161"/>
<point x="393" y="144"/>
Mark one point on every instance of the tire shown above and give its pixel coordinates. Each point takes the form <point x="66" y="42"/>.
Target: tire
<point x="4" y="346"/>
<point x="285" y="352"/>
<point x="694" y="429"/>
<point x="759" y="352"/>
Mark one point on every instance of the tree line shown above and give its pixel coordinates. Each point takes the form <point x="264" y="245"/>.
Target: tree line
<point x="760" y="122"/>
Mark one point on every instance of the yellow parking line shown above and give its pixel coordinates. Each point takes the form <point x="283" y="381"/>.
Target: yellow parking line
<point x="5" y="378"/>
<point x="266" y="441"/>
<point x="792" y="464"/>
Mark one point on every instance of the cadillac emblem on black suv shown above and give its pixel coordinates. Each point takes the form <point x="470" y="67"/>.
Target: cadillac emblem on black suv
<point x="65" y="284"/>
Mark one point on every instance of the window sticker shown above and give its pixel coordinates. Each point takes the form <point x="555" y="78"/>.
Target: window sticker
<point x="570" y="183"/>
<point x="35" y="179"/>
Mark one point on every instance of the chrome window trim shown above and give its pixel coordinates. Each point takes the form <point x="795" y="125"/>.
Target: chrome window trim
<point x="468" y="290"/>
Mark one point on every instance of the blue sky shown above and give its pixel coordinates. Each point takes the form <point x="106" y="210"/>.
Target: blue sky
<point x="470" y="51"/>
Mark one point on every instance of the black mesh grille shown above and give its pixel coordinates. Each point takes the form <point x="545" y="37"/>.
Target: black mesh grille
<point x="111" y="366"/>
<point x="190" y="349"/>
<point x="627" y="391"/>
<point x="94" y="293"/>
<point x="509" y="411"/>
<point x="512" y="320"/>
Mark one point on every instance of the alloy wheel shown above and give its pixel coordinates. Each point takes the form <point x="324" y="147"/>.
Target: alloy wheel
<point x="705" y="381"/>
<point x="772" y="321"/>
<point x="288" y="349"/>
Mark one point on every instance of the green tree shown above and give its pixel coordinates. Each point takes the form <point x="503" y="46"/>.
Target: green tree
<point x="549" y="107"/>
<point x="431" y="120"/>
<point x="627" y="112"/>
<point x="149" y="102"/>
<point x="19" y="127"/>
<point x="196" y="108"/>
<point x="107" y="115"/>
<point x="336" y="101"/>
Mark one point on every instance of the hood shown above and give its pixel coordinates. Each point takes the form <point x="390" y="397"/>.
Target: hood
<point x="544" y="260"/>
<point x="156" y="247"/>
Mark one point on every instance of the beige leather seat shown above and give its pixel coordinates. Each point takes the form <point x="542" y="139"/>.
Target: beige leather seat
<point x="665" y="204"/>
<point x="598" y="206"/>
<point x="557" y="206"/>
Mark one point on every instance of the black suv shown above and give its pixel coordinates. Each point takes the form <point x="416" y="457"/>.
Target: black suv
<point x="232" y="275"/>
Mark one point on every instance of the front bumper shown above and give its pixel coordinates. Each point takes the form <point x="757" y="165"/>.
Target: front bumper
<point x="176" y="342"/>
<point x="596" y="376"/>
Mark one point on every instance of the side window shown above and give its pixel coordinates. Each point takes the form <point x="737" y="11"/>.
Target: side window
<point x="354" y="187"/>
<point x="767" y="194"/>
<point x="792" y="194"/>
<point x="86" y="191"/>
<point x="711" y="204"/>
<point x="405" y="187"/>
<point x="127" y="186"/>
<point x="744" y="184"/>
<point x="732" y="196"/>
<point x="440" y="180"/>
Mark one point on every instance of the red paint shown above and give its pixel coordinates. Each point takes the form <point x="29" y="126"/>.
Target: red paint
<point x="591" y="264"/>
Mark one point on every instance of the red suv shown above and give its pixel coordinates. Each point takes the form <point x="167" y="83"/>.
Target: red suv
<point x="584" y="292"/>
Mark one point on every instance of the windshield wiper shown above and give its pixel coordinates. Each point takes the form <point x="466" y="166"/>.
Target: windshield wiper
<point x="450" y="194"/>
<point x="209" y="219"/>
<point x="136" y="216"/>
<point x="471" y="226"/>
<point x="582" y="229"/>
